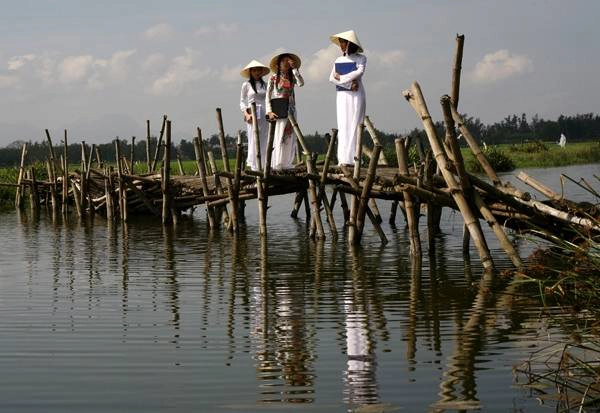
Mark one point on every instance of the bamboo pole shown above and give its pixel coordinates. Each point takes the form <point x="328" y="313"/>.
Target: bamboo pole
<point x="218" y="186"/>
<point x="260" y="185"/>
<point x="222" y="142"/>
<point x="466" y="185"/>
<point x="312" y="188"/>
<point x="538" y="186"/>
<point x="98" y="157"/>
<point x="52" y="180"/>
<point x="411" y="213"/>
<point x="35" y="196"/>
<point x="234" y="191"/>
<point x="352" y="232"/>
<point x="166" y="190"/>
<point x="76" y="198"/>
<point x="364" y="197"/>
<point x="201" y="165"/>
<point x="132" y="156"/>
<point x="458" y="55"/>
<point x="472" y="142"/>
<point x="121" y="189"/>
<point x="373" y="133"/>
<point x="65" y="188"/>
<point x="148" y="142"/>
<point x="108" y="193"/>
<point x="52" y="153"/>
<point x="19" y="192"/>
<point x="416" y="100"/>
<point x="158" y="143"/>
<point x="83" y="177"/>
<point x="322" y="196"/>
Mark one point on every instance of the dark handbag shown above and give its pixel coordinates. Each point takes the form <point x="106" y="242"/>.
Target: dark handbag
<point x="280" y="107"/>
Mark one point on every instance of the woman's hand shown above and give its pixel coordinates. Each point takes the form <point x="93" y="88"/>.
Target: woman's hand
<point x="272" y="116"/>
<point x="248" y="117"/>
<point x="336" y="76"/>
<point x="354" y="86"/>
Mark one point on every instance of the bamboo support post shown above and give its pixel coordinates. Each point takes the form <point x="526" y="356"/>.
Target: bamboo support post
<point x="108" y="194"/>
<point x="317" y="231"/>
<point x="19" y="192"/>
<point x="52" y="179"/>
<point x="53" y="158"/>
<point x="411" y="214"/>
<point x="65" y="188"/>
<point x="322" y="196"/>
<point x="312" y="188"/>
<point x="98" y="157"/>
<point x="158" y="143"/>
<point x="179" y="164"/>
<point x="222" y="142"/>
<point x="260" y="183"/>
<point x="201" y="165"/>
<point x="373" y="133"/>
<point x="234" y="191"/>
<point x="458" y="55"/>
<point x="356" y="176"/>
<point x="219" y="188"/>
<point x="297" y="204"/>
<point x="132" y="156"/>
<point x="393" y="212"/>
<point x="416" y="100"/>
<point x="34" y="193"/>
<point x="364" y="197"/>
<point x="120" y="186"/>
<point x="148" y="142"/>
<point x="83" y="177"/>
<point x="166" y="189"/>
<point x="76" y="198"/>
<point x="466" y="184"/>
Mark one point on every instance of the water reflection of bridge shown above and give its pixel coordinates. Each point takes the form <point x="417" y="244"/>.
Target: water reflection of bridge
<point x="279" y="310"/>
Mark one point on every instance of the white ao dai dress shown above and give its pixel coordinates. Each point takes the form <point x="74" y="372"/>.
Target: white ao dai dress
<point x="351" y="106"/>
<point x="248" y="95"/>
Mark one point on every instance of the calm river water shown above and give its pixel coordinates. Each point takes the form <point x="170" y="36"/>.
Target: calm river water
<point x="102" y="317"/>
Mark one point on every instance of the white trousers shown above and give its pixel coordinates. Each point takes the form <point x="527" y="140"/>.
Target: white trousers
<point x="284" y="146"/>
<point x="263" y="132"/>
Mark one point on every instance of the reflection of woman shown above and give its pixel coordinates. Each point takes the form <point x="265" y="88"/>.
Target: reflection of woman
<point x="253" y="90"/>
<point x="351" y="101"/>
<point x="281" y="85"/>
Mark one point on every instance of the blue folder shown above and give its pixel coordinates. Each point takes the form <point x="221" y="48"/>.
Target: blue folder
<point x="344" y="69"/>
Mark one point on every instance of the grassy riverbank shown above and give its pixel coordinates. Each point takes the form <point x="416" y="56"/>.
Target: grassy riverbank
<point x="541" y="154"/>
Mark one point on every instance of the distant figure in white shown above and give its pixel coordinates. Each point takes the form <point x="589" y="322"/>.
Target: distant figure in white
<point x="563" y="140"/>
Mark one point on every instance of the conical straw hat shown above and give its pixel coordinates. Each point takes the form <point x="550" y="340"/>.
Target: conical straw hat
<point x="255" y="63"/>
<point x="273" y="64"/>
<point x="348" y="35"/>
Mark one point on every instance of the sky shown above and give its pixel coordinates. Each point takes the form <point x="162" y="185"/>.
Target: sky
<point x="101" y="69"/>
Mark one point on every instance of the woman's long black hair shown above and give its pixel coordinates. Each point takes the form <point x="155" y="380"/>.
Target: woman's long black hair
<point x="253" y="82"/>
<point x="351" y="48"/>
<point x="290" y="74"/>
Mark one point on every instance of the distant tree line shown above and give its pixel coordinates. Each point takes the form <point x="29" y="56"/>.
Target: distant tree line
<point x="512" y="129"/>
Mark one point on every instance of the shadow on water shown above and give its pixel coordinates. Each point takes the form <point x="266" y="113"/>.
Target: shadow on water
<point x="190" y="318"/>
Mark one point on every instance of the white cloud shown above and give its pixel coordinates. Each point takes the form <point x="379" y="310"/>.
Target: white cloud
<point x="182" y="72"/>
<point x="500" y="65"/>
<point x="17" y="62"/>
<point x="74" y="68"/>
<point x="391" y="58"/>
<point x="159" y="31"/>
<point x="154" y="62"/>
<point x="220" y="29"/>
<point x="319" y="67"/>
<point x="113" y="70"/>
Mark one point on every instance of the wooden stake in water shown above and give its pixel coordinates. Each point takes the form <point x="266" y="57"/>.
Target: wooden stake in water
<point x="19" y="195"/>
